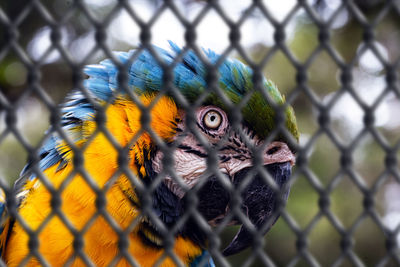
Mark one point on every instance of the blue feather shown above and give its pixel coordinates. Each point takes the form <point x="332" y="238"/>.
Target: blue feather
<point x="204" y="258"/>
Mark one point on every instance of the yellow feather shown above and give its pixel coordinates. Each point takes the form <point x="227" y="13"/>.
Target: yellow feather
<point x="79" y="200"/>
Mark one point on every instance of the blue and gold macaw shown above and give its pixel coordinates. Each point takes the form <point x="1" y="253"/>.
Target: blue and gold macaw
<point x="106" y="139"/>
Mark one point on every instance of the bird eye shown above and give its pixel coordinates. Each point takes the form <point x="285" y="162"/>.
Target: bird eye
<point x="212" y="119"/>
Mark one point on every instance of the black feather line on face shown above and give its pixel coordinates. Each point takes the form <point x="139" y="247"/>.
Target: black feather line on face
<point x="189" y="149"/>
<point x="166" y="205"/>
<point x="206" y="131"/>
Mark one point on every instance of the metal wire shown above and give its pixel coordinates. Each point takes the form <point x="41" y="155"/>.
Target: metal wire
<point x="304" y="254"/>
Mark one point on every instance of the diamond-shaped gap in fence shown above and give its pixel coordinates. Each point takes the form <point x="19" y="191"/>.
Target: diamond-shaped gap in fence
<point x="15" y="76"/>
<point x="213" y="32"/>
<point x="12" y="157"/>
<point x="339" y="43"/>
<point x="161" y="29"/>
<point x="55" y="82"/>
<point x="345" y="122"/>
<point x="369" y="242"/>
<point x="324" y="253"/>
<point x="369" y="83"/>
<point x="324" y="159"/>
<point x="386" y="203"/>
<point x="302" y="204"/>
<point x="323" y="77"/>
<point x="280" y="71"/>
<point x="78" y="197"/>
<point x="281" y="238"/>
<point x="387" y="124"/>
<point x="30" y="123"/>
<point x="257" y="32"/>
<point x="123" y="28"/>
<point x="369" y="159"/>
<point x="344" y="192"/>
<point x="302" y="39"/>
<point x="84" y="49"/>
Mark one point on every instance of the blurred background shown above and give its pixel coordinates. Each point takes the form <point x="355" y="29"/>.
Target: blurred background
<point x="32" y="45"/>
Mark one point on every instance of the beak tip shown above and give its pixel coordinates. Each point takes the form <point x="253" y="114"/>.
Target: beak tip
<point x="241" y="241"/>
<point x="233" y="248"/>
<point x="261" y="202"/>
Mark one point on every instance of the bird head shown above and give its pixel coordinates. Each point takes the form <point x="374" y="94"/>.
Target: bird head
<point x="228" y="144"/>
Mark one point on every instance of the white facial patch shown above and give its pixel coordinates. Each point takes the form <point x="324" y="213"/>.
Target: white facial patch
<point x="188" y="167"/>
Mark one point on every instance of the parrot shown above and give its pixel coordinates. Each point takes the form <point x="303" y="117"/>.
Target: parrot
<point x="134" y="173"/>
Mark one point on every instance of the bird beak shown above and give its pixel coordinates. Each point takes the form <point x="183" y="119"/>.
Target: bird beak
<point x="260" y="203"/>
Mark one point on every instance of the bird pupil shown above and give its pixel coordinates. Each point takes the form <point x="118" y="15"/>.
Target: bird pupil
<point x="212" y="118"/>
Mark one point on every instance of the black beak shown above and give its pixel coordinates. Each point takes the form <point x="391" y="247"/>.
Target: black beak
<point x="260" y="203"/>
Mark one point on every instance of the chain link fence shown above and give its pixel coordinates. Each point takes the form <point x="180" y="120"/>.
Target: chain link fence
<point x="337" y="62"/>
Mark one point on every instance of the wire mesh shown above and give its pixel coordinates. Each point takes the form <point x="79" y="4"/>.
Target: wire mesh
<point x="293" y="231"/>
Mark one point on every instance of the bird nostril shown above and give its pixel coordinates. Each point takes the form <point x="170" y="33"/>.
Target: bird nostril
<point x="273" y="150"/>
